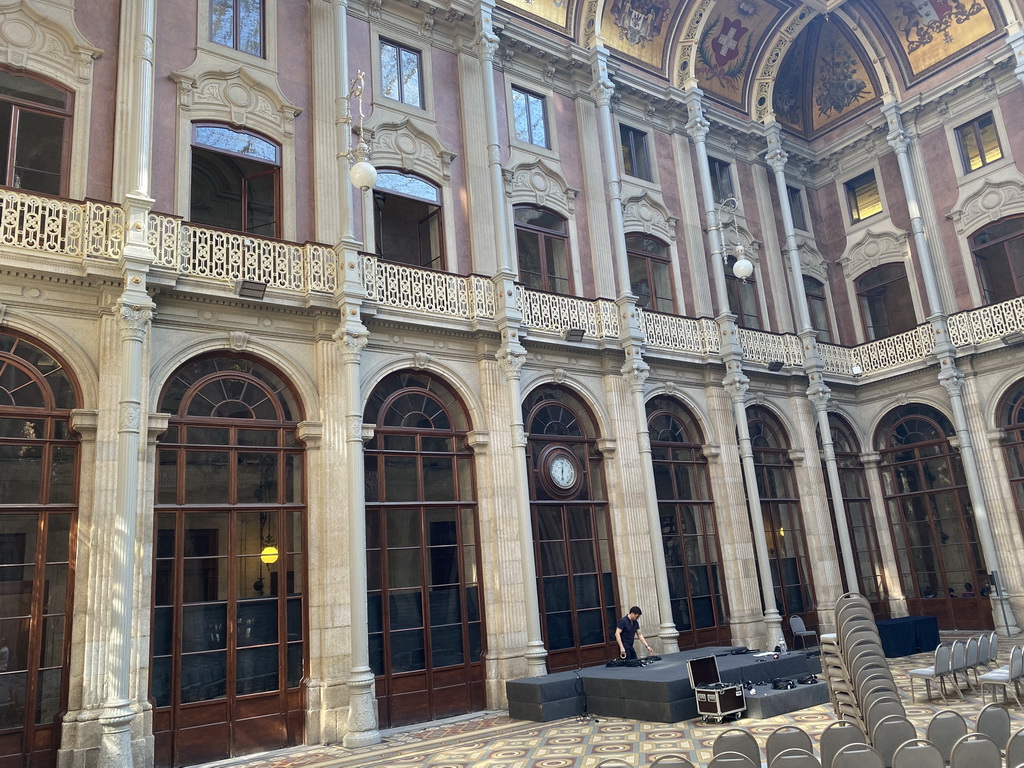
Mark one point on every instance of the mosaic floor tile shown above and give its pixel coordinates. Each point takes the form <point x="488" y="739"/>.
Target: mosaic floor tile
<point x="493" y="740"/>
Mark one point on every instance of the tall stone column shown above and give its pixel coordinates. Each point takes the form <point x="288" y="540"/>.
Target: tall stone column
<point x="817" y="391"/>
<point x="511" y="356"/>
<point x="735" y="381"/>
<point x="950" y="377"/>
<point x="887" y="551"/>
<point x="362" y="702"/>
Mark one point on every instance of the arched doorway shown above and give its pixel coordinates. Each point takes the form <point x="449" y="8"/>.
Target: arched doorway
<point x="688" y="529"/>
<point x="929" y="508"/>
<point x="39" y="460"/>
<point x="860" y="518"/>
<point x="571" y="530"/>
<point x="426" y="629"/>
<point x="782" y="517"/>
<point x="229" y="616"/>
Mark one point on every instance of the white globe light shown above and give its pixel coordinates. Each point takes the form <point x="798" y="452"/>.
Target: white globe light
<point x="363" y="175"/>
<point x="742" y="268"/>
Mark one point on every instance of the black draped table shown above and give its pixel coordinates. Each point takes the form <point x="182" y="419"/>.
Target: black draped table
<point x="908" y="635"/>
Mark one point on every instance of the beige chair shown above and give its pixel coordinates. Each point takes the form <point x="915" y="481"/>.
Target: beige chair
<point x="1005" y="677"/>
<point x="994" y="722"/>
<point x="945" y="729"/>
<point x="940" y="670"/>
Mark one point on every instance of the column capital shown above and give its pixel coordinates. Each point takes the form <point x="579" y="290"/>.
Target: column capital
<point x="133" y="319"/>
<point x="351" y="343"/>
<point x="603" y="89"/>
<point x="511" y="356"/>
<point x="636" y="372"/>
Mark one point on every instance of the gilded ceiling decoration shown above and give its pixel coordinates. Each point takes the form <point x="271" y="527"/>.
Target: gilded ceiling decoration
<point x="639" y="29"/>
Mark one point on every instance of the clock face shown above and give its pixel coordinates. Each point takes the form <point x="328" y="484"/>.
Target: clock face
<point x="562" y="471"/>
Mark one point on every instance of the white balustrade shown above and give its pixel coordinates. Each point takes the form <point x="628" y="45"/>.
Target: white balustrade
<point x="767" y="348"/>
<point x="683" y="334"/>
<point x="61" y="227"/>
<point x="987" y="323"/>
<point x="557" y="313"/>
<point x="164" y="236"/>
<point x="893" y="351"/>
<point x="425" y="290"/>
<point x="836" y="359"/>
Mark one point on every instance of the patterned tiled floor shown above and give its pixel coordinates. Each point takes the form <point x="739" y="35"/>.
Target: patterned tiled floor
<point x="493" y="740"/>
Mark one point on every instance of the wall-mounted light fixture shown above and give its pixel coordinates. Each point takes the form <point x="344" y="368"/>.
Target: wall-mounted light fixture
<point x="250" y="289"/>
<point x="856" y="370"/>
<point x="1013" y="338"/>
<point x="361" y="171"/>
<point x="742" y="267"/>
<point x="573" y="335"/>
<point x="775" y="366"/>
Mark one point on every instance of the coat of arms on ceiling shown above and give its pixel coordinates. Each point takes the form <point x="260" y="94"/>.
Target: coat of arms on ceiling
<point x="639" y="21"/>
<point x="922" y="20"/>
<point x="725" y="49"/>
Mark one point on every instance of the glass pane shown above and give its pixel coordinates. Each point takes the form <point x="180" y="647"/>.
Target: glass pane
<point x="403" y="528"/>
<point x="411" y="78"/>
<point x="261" y="204"/>
<point x="48" y="695"/>
<point x="591" y="628"/>
<point x="160" y="685"/>
<point x="444" y="565"/>
<point x="404" y="568"/>
<point x="447" y="647"/>
<point x="407" y="653"/>
<point x="294" y="628"/>
<point x="55" y="590"/>
<point x="163" y="630"/>
<point x="400" y="478"/>
<point x="405" y="610"/>
<point x="20" y="477"/>
<point x="520" y="115"/>
<point x="294" y="664"/>
<point x="39" y="153"/>
<point x="257" y="670"/>
<point x="257" y="478"/>
<point x="203" y="676"/>
<point x="538" y="127"/>
<point x="560" y="632"/>
<point x="222" y="22"/>
<point x="62" y="474"/>
<point x="445" y="606"/>
<point x="52" y="652"/>
<point x="204" y="627"/>
<point x="207" y="477"/>
<point x="257" y="622"/>
<point x="167" y="477"/>
<point x="250" y="26"/>
<point x="389" y="71"/>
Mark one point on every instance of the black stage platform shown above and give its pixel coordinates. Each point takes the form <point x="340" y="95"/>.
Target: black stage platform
<point x="661" y="691"/>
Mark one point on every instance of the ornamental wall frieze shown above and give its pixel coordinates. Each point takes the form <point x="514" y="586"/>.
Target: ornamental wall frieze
<point x="240" y="96"/>
<point x="993" y="200"/>
<point x="47" y="42"/>
<point x="646" y="213"/>
<point x="407" y="146"/>
<point x="538" y="184"/>
<point x="872" y="248"/>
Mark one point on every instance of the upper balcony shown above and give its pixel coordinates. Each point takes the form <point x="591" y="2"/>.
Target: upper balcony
<point x="91" y="234"/>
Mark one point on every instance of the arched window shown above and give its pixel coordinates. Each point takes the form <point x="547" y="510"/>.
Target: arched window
<point x="236" y="177"/>
<point x="782" y="517"/>
<point x="228" y="635"/>
<point x="39" y="460"/>
<point x="688" y="529"/>
<point x="999" y="256"/>
<point x="817" y="306"/>
<point x="860" y="519"/>
<point x="884" y="295"/>
<point x="649" y="273"/>
<point x="425" y="628"/>
<point x="542" y="241"/>
<point x="929" y="510"/>
<point x="1011" y="419"/>
<point x="742" y="298"/>
<point x="407" y="220"/>
<point x="35" y="128"/>
<point x="571" y="529"/>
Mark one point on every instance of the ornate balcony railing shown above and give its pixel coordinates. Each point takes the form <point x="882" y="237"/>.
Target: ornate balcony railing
<point x="61" y="227"/>
<point x="554" y="312"/>
<point x="986" y="323"/>
<point x="907" y="347"/>
<point x="771" y="347"/>
<point x="683" y="334"/>
<point x="836" y="359"/>
<point x="426" y="290"/>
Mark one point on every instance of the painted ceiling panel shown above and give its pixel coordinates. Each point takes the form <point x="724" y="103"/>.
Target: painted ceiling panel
<point x="733" y="33"/>
<point x="639" y="29"/>
<point x="556" y="12"/>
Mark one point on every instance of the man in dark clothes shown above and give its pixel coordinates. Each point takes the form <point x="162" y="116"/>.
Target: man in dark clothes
<point x="626" y="630"/>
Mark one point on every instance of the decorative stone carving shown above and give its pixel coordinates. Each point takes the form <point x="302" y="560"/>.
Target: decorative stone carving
<point x="351" y="344"/>
<point x="238" y="340"/>
<point x="644" y="213"/>
<point x="48" y="42"/>
<point x="511" y="361"/>
<point x="992" y="201"/>
<point x="411" y="148"/>
<point x="538" y="184"/>
<point x="420" y="360"/>
<point x="240" y="97"/>
<point x="3" y="311"/>
<point x="558" y="375"/>
<point x="872" y="248"/>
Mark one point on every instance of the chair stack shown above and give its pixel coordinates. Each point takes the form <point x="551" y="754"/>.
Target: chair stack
<point x="861" y="687"/>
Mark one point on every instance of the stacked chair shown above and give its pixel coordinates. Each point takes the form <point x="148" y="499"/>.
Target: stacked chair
<point x="861" y="687"/>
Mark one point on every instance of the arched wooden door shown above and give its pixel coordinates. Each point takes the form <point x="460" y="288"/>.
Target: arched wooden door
<point x="571" y="530"/>
<point x="689" y="531"/>
<point x="929" y="509"/>
<point x="426" y="630"/>
<point x="39" y="464"/>
<point x="229" y="617"/>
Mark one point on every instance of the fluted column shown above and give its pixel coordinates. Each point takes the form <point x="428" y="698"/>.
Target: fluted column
<point x="362" y="704"/>
<point x="950" y="376"/>
<point x="817" y="391"/>
<point x="487" y="46"/>
<point x="887" y="550"/>
<point x="511" y="356"/>
<point x="735" y="381"/>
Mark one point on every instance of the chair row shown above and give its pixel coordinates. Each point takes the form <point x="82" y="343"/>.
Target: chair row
<point x="963" y="658"/>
